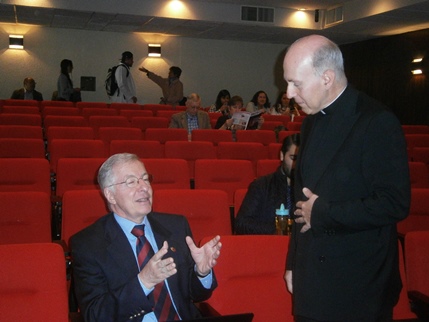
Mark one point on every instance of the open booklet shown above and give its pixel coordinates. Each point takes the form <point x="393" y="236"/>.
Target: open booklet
<point x="246" y="120"/>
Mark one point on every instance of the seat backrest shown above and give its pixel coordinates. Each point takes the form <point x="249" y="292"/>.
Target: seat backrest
<point x="271" y="125"/>
<point x="252" y="151"/>
<point x="77" y="174"/>
<point x="156" y="107"/>
<point x="211" y="135"/>
<point x="166" y="114"/>
<point x="89" y="111"/>
<point x="69" y="132"/>
<point x="207" y="211"/>
<point x="415" y="129"/>
<point x="135" y="113"/>
<point x="108" y="134"/>
<point x="21" y="109"/>
<point x="21" y="131"/>
<point x="294" y="126"/>
<point x="25" y="218"/>
<point x="66" y="148"/>
<point x="168" y="173"/>
<point x="64" y="120"/>
<point x="226" y="175"/>
<point x="420" y="154"/>
<point x="125" y="106"/>
<point x="142" y="148"/>
<point x="144" y="122"/>
<point x="402" y="309"/>
<point x="285" y="119"/>
<point x="43" y="291"/>
<point x="262" y="136"/>
<point x="46" y="103"/>
<point x="60" y="110"/>
<point x="164" y="135"/>
<point x="419" y="175"/>
<point x="25" y="174"/>
<point x="190" y="151"/>
<point x="21" y="119"/>
<point x="418" y="218"/>
<point x="18" y="102"/>
<point x="22" y="148"/>
<point x="97" y="121"/>
<point x="246" y="283"/>
<point x="80" y="208"/>
<point x="266" y="166"/>
<point x="416" y="140"/>
<point x="417" y="261"/>
<point x="82" y="105"/>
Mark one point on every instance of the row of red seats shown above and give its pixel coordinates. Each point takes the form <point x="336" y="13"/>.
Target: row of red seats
<point x="237" y="284"/>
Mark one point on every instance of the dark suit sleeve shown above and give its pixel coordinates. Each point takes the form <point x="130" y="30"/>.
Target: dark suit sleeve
<point x="37" y="96"/>
<point x="105" y="293"/>
<point x="383" y="173"/>
<point x="17" y="95"/>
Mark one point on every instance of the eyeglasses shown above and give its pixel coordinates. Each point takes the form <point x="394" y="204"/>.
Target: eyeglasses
<point x="133" y="181"/>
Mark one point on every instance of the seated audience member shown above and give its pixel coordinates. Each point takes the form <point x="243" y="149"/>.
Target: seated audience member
<point x="224" y="122"/>
<point x="193" y="118"/>
<point x="222" y="102"/>
<point x="28" y="92"/>
<point x="172" y="87"/>
<point x="285" y="106"/>
<point x="266" y="194"/>
<point x="135" y="264"/>
<point x="260" y="101"/>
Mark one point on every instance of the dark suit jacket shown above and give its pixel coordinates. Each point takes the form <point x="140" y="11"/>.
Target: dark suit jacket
<point x="258" y="210"/>
<point x="345" y="268"/>
<point x="105" y="270"/>
<point x="180" y="120"/>
<point x="19" y="95"/>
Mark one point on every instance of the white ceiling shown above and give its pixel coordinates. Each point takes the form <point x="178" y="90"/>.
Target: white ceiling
<point x="365" y="23"/>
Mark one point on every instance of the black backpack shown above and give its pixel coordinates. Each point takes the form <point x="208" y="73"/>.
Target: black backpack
<point x="110" y="83"/>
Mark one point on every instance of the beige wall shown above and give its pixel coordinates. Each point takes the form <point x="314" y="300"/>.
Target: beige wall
<point x="208" y="65"/>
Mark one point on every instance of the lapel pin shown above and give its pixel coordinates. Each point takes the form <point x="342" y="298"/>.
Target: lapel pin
<point x="172" y="249"/>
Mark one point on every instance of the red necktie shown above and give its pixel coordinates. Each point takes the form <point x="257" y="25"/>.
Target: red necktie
<point x="164" y="309"/>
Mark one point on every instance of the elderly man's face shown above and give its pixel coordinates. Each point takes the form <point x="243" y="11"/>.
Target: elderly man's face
<point x="192" y="106"/>
<point x="29" y="85"/>
<point x="129" y="201"/>
<point x="304" y="85"/>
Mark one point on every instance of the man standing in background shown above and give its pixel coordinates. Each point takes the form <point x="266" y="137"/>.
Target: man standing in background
<point x="126" y="92"/>
<point x="172" y="87"/>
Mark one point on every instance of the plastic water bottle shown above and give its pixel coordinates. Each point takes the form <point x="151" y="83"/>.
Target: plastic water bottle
<point x="282" y="221"/>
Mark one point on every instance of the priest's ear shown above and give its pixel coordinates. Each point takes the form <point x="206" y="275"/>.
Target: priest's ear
<point x="328" y="77"/>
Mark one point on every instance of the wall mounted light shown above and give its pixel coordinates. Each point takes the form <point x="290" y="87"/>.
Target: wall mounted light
<point x="416" y="68"/>
<point x="16" y="41"/>
<point x="154" y="50"/>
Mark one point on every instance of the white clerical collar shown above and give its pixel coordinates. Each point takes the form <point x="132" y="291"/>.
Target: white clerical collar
<point x="322" y="110"/>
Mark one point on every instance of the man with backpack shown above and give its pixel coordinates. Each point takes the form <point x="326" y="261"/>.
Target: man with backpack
<point x="125" y="89"/>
